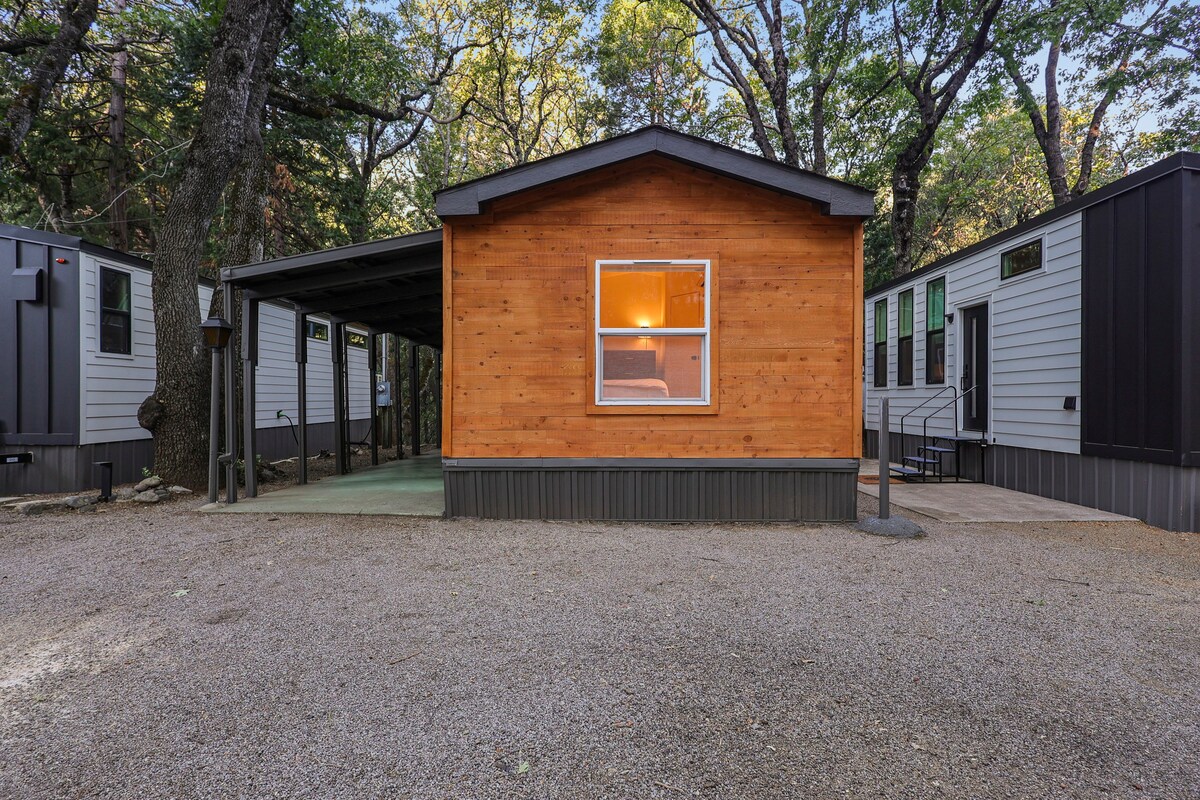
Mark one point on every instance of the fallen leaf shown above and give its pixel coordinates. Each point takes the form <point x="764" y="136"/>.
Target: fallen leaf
<point x="180" y="592"/>
<point x="523" y="767"/>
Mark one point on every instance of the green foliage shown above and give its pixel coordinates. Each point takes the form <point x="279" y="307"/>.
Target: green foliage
<point x="378" y="106"/>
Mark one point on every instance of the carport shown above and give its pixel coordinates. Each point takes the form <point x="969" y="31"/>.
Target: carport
<point x="390" y="287"/>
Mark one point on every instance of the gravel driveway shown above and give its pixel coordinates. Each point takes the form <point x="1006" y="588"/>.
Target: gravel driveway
<point x="158" y="652"/>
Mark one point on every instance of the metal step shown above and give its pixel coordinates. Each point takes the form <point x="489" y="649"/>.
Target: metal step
<point x="968" y="439"/>
<point x="906" y="471"/>
<point x="928" y="448"/>
<point x="919" y="460"/>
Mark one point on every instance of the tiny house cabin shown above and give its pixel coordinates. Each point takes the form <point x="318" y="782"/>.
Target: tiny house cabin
<point x="77" y="358"/>
<point x="1059" y="357"/>
<point x="653" y="327"/>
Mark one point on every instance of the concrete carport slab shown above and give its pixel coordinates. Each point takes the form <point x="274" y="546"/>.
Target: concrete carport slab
<point x="411" y="487"/>
<point x="980" y="502"/>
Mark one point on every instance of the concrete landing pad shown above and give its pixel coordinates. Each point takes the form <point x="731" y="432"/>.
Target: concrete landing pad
<point x="411" y="487"/>
<point x="979" y="502"/>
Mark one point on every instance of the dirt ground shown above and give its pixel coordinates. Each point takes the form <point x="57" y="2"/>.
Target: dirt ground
<point x="154" y="651"/>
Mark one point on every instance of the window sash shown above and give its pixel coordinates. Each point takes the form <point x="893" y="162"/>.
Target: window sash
<point x="935" y="357"/>
<point x="904" y="361"/>
<point x="703" y="333"/>
<point x="904" y="316"/>
<point x="881" y="321"/>
<point x="1006" y="260"/>
<point x="935" y="305"/>
<point x="881" y="365"/>
<point x="113" y="317"/>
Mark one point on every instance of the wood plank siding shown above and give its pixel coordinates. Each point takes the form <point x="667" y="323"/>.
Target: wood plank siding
<point x="787" y="323"/>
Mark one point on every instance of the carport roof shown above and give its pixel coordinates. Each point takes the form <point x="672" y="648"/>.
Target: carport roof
<point x="389" y="285"/>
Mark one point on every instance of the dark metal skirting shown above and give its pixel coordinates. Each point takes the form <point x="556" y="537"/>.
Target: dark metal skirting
<point x="1163" y="495"/>
<point x="71" y="468"/>
<point x="653" y="490"/>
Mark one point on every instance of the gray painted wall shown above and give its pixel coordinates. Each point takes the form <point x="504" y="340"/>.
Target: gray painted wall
<point x="1035" y="334"/>
<point x="653" y="490"/>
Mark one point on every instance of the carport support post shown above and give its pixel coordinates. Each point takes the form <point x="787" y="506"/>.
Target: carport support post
<point x="437" y="396"/>
<point x="249" y="423"/>
<point x="231" y="432"/>
<point x="373" y="368"/>
<point x="414" y="385"/>
<point x="885" y="460"/>
<point x="302" y="396"/>
<point x="337" y="340"/>
<point x="397" y="396"/>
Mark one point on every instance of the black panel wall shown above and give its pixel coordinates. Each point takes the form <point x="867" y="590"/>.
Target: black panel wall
<point x="39" y="344"/>
<point x="1140" y="306"/>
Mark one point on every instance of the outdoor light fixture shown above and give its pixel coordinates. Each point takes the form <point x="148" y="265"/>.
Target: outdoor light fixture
<point x="950" y="317"/>
<point x="216" y="333"/>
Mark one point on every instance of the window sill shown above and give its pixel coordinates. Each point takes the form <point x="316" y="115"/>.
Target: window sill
<point x="656" y="410"/>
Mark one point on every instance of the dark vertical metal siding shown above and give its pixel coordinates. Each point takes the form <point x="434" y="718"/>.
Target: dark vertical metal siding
<point x="1138" y="311"/>
<point x="39" y="345"/>
<point x="278" y="443"/>
<point x="1189" y="295"/>
<point x="67" y="468"/>
<point x="649" y="493"/>
<point x="1164" y="495"/>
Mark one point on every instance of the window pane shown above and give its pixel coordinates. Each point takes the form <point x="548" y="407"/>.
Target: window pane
<point x="652" y="296"/>
<point x="935" y="305"/>
<point x="652" y="367"/>
<point x="318" y="331"/>
<point x="905" y="362"/>
<point x="356" y="340"/>
<point x="935" y="357"/>
<point x="1023" y="259"/>
<point x="906" y="313"/>
<point x="881" y="321"/>
<point x="114" y="332"/>
<point x="881" y="377"/>
<point x="114" y="292"/>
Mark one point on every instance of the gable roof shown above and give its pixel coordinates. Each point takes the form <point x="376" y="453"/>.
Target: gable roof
<point x="835" y="197"/>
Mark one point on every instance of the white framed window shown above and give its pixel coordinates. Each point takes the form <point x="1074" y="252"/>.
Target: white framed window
<point x="653" y="325"/>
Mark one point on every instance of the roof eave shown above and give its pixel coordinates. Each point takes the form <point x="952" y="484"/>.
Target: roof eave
<point x="835" y="197"/>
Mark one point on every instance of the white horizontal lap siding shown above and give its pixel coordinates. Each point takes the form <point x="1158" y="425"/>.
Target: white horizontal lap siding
<point x="1035" y="330"/>
<point x="113" y="386"/>
<point x="275" y="376"/>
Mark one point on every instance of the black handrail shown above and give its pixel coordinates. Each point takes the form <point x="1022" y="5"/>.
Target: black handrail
<point x="925" y="422"/>
<point x="926" y="401"/>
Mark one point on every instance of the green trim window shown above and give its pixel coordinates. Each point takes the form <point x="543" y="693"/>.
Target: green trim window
<point x="316" y="330"/>
<point x="1019" y="260"/>
<point x="935" y="331"/>
<point x="116" y="311"/>
<point x="881" y="326"/>
<point x="904" y="344"/>
<point x="358" y="340"/>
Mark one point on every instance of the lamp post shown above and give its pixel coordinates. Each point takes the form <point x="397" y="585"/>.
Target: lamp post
<point x="216" y="332"/>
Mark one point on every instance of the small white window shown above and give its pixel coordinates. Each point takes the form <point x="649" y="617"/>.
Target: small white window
<point x="652" y="333"/>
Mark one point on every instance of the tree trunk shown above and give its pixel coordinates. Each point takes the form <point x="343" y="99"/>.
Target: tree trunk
<point x="77" y="17"/>
<point x="118" y="162"/>
<point x="243" y="55"/>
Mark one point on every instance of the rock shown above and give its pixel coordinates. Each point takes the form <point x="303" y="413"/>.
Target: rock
<point x="153" y="482"/>
<point x="125" y="493"/>
<point x="88" y="509"/>
<point x="80" y="500"/>
<point x="33" y="507"/>
<point x="179" y="490"/>
<point x="162" y="493"/>
<point x="148" y="496"/>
